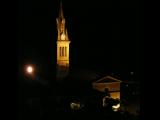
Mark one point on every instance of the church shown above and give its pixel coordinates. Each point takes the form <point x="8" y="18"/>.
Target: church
<point x="99" y="84"/>
<point x="62" y="46"/>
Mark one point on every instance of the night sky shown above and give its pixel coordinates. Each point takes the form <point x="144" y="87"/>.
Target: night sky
<point x="104" y="34"/>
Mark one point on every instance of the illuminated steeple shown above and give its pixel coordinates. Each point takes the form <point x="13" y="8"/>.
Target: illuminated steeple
<point x="62" y="46"/>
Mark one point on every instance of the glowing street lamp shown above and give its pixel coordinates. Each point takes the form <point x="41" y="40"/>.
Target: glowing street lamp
<point x="29" y="69"/>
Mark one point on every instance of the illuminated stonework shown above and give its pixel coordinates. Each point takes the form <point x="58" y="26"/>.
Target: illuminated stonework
<point x="62" y="46"/>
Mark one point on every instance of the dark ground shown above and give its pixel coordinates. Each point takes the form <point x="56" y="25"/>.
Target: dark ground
<point x="39" y="101"/>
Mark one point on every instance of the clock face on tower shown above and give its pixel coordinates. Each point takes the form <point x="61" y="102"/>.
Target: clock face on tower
<point x="63" y="36"/>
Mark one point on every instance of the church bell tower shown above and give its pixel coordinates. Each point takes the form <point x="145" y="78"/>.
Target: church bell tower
<point x="62" y="46"/>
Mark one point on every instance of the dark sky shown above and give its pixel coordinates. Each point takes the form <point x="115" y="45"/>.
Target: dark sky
<point x="104" y="34"/>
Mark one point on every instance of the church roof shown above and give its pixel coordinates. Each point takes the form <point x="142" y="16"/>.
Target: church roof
<point x="107" y="79"/>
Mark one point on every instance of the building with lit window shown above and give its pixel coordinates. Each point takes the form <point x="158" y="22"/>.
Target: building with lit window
<point x="111" y="84"/>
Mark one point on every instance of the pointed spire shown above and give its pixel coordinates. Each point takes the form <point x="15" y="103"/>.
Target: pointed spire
<point x="61" y="11"/>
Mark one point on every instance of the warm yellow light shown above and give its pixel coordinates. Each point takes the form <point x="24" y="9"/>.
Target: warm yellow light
<point x="75" y="106"/>
<point x="116" y="107"/>
<point x="63" y="36"/>
<point x="30" y="69"/>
